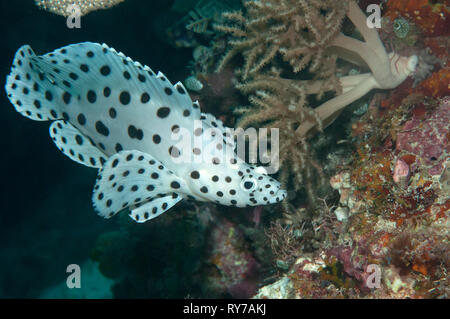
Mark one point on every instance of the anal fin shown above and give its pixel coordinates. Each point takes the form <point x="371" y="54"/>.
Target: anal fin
<point x="75" y="145"/>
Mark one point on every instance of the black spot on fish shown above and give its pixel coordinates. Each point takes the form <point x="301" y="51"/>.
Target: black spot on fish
<point x="133" y="132"/>
<point x="101" y="128"/>
<point x="156" y="139"/>
<point x="195" y="174"/>
<point x="48" y="96"/>
<point x="163" y="112"/>
<point x="145" y="97"/>
<point x="81" y="119"/>
<point x="180" y="89"/>
<point x="66" y="97"/>
<point x="84" y="68"/>
<point x="112" y="113"/>
<point x="91" y="96"/>
<point x="105" y="70"/>
<point x="79" y="139"/>
<point x="125" y="98"/>
<point x="174" y="152"/>
<point x="106" y="92"/>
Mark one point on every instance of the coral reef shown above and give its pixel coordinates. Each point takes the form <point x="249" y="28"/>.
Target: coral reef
<point x="307" y="35"/>
<point x="392" y="216"/>
<point x="193" y="21"/>
<point x="236" y="269"/>
<point x="296" y="29"/>
<point x="61" y="7"/>
<point x="389" y="215"/>
<point x="431" y="16"/>
<point x="396" y="199"/>
<point x="426" y="140"/>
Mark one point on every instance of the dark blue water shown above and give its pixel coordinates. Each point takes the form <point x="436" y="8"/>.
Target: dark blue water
<point x="46" y="218"/>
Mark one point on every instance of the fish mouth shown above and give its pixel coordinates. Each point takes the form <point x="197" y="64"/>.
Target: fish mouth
<point x="281" y="194"/>
<point x="278" y="196"/>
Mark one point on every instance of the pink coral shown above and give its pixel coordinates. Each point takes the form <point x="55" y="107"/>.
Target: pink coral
<point x="401" y="172"/>
<point x="427" y="139"/>
<point x="354" y="264"/>
<point x="237" y="267"/>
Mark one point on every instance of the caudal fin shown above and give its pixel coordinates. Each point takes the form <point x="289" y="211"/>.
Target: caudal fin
<point x="31" y="90"/>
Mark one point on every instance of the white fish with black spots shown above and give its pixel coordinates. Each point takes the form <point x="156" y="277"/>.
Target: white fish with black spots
<point x="117" y="115"/>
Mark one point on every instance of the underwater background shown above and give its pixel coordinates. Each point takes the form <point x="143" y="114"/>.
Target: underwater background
<point x="362" y="194"/>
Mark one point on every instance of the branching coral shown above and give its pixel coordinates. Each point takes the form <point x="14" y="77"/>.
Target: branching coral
<point x="299" y="30"/>
<point x="306" y="34"/>
<point x="387" y="70"/>
<point x="61" y="7"/>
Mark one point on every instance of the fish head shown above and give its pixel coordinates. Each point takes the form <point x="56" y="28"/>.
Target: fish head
<point x="235" y="183"/>
<point x="258" y="188"/>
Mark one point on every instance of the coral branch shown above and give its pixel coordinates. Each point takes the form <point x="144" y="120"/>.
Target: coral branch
<point x="306" y="35"/>
<point x="387" y="70"/>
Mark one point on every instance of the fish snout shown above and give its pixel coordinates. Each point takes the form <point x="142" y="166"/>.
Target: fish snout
<point x="280" y="195"/>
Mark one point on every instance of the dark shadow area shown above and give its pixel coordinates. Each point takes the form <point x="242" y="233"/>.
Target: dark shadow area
<point x="47" y="220"/>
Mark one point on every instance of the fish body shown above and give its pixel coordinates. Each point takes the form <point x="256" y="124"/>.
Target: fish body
<point x="152" y="145"/>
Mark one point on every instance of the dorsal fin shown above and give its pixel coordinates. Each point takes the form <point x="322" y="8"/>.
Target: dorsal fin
<point x="78" y="68"/>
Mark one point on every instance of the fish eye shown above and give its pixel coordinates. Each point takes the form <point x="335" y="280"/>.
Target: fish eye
<point x="248" y="184"/>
